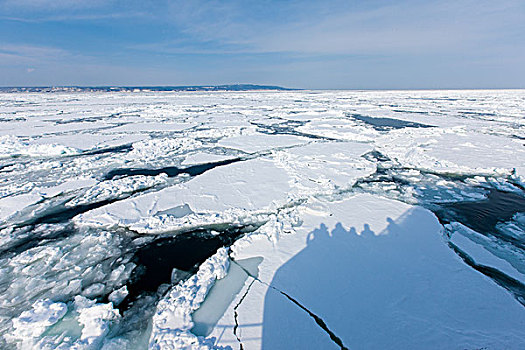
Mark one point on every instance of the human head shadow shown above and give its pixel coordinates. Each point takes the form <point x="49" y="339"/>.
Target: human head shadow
<point x="321" y="236"/>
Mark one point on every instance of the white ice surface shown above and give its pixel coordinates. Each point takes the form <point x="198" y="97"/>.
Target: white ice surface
<point x="455" y="150"/>
<point x="94" y="320"/>
<point x="90" y="141"/>
<point x="150" y="149"/>
<point x="483" y="257"/>
<point x="289" y="183"/>
<point x="322" y="168"/>
<point x="31" y="324"/>
<point x="150" y="127"/>
<point x="227" y="194"/>
<point x="260" y="142"/>
<point x="34" y="128"/>
<point x="13" y="204"/>
<point x="240" y="192"/>
<point x="340" y="129"/>
<point x="487" y="251"/>
<point x="382" y="267"/>
<point x="222" y="294"/>
<point x="12" y="146"/>
<point x="202" y="158"/>
<point x="115" y="188"/>
<point x="10" y="205"/>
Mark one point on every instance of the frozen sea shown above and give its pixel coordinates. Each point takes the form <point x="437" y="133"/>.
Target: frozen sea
<point x="262" y="220"/>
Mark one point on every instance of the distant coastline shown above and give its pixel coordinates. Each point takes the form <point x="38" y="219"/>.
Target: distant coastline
<point x="231" y="87"/>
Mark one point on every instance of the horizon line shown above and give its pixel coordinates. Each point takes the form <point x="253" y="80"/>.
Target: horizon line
<point x="247" y="85"/>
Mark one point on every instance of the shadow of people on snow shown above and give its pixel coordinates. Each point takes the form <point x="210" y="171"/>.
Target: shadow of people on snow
<point x="401" y="288"/>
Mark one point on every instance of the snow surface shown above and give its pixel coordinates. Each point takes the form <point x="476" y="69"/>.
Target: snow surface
<point x="203" y="158"/>
<point x="455" y="150"/>
<point x="328" y="201"/>
<point x="382" y="268"/>
<point x="260" y="142"/>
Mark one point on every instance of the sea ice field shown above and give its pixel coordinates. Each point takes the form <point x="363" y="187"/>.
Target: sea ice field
<point x="262" y="220"/>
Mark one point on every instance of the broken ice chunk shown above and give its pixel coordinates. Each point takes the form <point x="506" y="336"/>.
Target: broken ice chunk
<point x="117" y="296"/>
<point x="32" y="323"/>
<point x="93" y="290"/>
<point x="222" y="294"/>
<point x="95" y="318"/>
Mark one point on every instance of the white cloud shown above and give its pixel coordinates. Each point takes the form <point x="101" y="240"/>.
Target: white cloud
<point x="52" y="4"/>
<point x="403" y="27"/>
<point x="33" y="53"/>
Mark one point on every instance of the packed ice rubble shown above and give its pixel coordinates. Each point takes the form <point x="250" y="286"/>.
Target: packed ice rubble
<point x="33" y="328"/>
<point x="11" y="146"/>
<point x="337" y="250"/>
<point x="455" y="150"/>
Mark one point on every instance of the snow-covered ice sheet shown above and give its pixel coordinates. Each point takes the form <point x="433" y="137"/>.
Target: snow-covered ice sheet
<point x="340" y="128"/>
<point x="324" y="168"/>
<point x="202" y="158"/>
<point x="381" y="268"/>
<point x="455" y="151"/>
<point x="260" y="142"/>
<point x="151" y="127"/>
<point x="244" y="192"/>
<point x="90" y="181"/>
<point x="465" y="240"/>
<point x="228" y="194"/>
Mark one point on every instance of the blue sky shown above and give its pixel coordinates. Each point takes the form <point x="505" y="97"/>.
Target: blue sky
<point x="352" y="44"/>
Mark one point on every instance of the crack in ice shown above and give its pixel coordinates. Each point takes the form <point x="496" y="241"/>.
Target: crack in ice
<point x="236" y="314"/>
<point x="318" y="320"/>
<point x="503" y="280"/>
<point x="171" y="171"/>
